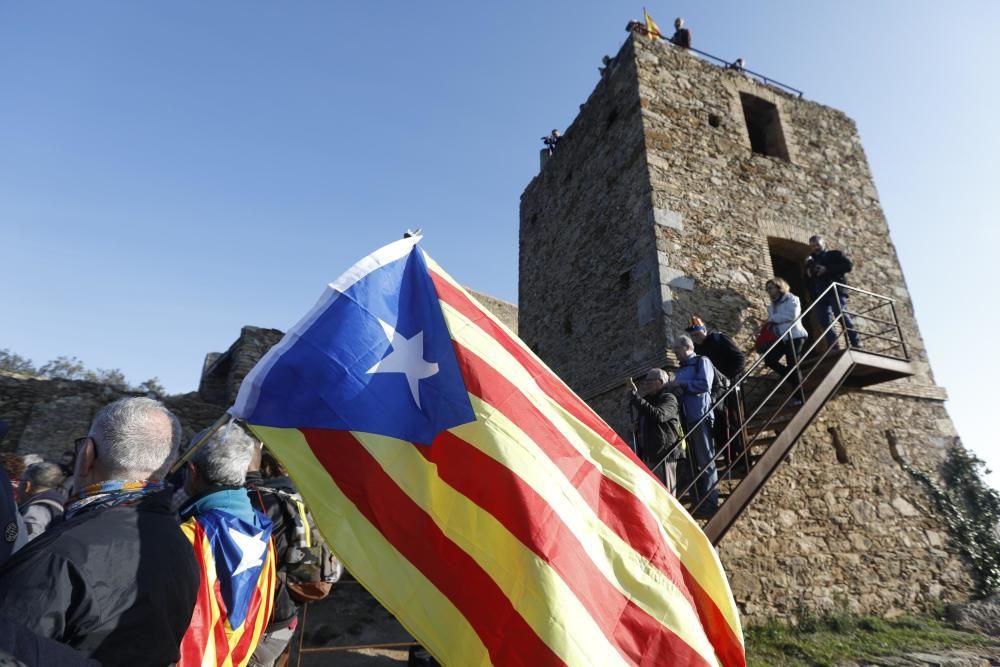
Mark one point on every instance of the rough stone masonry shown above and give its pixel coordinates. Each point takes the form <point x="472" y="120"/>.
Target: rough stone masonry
<point x="660" y="203"/>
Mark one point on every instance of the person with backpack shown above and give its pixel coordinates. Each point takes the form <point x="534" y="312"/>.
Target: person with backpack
<point x="658" y="425"/>
<point x="42" y="499"/>
<point x="306" y="569"/>
<point x="694" y="379"/>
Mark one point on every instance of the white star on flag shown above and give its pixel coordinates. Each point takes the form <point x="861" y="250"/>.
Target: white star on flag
<point x="252" y="549"/>
<point x="407" y="357"/>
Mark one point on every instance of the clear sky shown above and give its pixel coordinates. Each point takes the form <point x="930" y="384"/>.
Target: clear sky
<point x="170" y="171"/>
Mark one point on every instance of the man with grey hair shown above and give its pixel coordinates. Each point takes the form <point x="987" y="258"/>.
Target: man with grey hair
<point x="694" y="378"/>
<point x="658" y="425"/>
<point x="116" y="580"/>
<point x="41" y="498"/>
<point x="233" y="544"/>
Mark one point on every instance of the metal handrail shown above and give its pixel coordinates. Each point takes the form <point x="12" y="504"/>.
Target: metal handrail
<point x="832" y="291"/>
<point x="728" y="65"/>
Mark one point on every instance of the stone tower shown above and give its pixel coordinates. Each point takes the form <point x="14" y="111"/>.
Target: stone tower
<point x="680" y="188"/>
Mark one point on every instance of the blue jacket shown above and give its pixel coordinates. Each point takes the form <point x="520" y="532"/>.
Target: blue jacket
<point x="695" y="376"/>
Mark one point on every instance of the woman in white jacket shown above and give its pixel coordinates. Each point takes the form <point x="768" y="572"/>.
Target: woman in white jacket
<point x="782" y="313"/>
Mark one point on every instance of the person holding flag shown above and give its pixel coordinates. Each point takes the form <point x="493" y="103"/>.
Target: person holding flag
<point x="472" y="492"/>
<point x="232" y="545"/>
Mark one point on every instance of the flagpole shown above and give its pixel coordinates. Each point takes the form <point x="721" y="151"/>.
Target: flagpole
<point x="195" y="446"/>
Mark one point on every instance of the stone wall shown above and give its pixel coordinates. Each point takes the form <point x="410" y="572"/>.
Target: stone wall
<point x="694" y="219"/>
<point x="46" y="416"/>
<point x="859" y="536"/>
<point x="588" y="289"/>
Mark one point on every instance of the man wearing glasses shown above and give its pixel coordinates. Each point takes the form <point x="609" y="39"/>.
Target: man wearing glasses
<point x="117" y="579"/>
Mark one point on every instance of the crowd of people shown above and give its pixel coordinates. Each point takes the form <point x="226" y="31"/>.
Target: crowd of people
<point x="98" y="566"/>
<point x="679" y="415"/>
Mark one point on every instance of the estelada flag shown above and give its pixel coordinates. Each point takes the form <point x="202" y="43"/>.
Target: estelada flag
<point x="472" y="493"/>
<point x="236" y="593"/>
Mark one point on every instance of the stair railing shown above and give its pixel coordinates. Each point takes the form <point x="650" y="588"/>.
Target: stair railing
<point x="880" y="341"/>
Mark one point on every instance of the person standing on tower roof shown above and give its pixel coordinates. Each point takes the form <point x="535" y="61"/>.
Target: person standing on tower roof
<point x="551" y="141"/>
<point x="823" y="268"/>
<point x="682" y="36"/>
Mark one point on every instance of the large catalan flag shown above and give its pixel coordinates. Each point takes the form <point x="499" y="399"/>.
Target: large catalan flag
<point x="479" y="499"/>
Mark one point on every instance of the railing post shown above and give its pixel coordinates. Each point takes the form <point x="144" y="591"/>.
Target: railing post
<point x="838" y="309"/>
<point x="899" y="331"/>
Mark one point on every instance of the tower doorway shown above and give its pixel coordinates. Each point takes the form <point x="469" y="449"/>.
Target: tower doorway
<point x="788" y="259"/>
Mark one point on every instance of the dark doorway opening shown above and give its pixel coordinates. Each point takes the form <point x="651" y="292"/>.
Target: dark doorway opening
<point x="788" y="258"/>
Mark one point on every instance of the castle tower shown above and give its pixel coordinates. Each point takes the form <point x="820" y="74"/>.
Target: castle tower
<point x="681" y="188"/>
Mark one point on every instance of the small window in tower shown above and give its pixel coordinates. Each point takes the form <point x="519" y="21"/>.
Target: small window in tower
<point x="764" y="127"/>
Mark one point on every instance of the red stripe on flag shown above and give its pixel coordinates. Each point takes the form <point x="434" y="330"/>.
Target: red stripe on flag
<point x="615" y="505"/>
<point x="249" y="640"/>
<point x="548" y="382"/>
<point x="202" y="624"/>
<point x="532" y="520"/>
<point x="506" y="635"/>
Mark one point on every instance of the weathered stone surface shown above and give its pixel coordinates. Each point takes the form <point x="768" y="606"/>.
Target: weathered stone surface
<point x="979" y="616"/>
<point x="648" y="214"/>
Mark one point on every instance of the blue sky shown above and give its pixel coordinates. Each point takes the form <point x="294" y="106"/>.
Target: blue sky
<point x="170" y="171"/>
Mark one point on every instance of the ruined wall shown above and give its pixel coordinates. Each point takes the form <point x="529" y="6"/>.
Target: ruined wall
<point x="46" y="416"/>
<point x="821" y="535"/>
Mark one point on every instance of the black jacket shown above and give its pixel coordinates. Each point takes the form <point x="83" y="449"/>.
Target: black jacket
<point x="283" y="534"/>
<point x="34" y="651"/>
<point x="723" y="353"/>
<point x="837" y="264"/>
<point x="117" y="584"/>
<point x="659" y="426"/>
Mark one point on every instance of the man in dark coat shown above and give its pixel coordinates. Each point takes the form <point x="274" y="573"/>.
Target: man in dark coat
<point x="658" y="425"/>
<point x="729" y="360"/>
<point x="682" y="36"/>
<point x="823" y="268"/>
<point x="117" y="579"/>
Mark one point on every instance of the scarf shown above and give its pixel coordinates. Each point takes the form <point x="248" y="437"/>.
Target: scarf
<point x="112" y="493"/>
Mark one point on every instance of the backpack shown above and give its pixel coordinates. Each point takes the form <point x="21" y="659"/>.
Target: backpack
<point x="308" y="566"/>
<point x="720" y="384"/>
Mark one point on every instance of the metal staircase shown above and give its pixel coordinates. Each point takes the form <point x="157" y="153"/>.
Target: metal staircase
<point x="763" y="415"/>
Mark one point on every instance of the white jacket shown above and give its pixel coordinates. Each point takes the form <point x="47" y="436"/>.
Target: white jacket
<point x="784" y="312"/>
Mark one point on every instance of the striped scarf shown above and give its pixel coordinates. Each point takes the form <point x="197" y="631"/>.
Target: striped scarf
<point x="112" y="493"/>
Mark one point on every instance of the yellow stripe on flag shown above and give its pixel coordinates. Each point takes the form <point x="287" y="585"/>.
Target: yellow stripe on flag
<point x="373" y="560"/>
<point x="547" y="604"/>
<point x="630" y="573"/>
<point x="652" y="29"/>
<point x="681" y="533"/>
